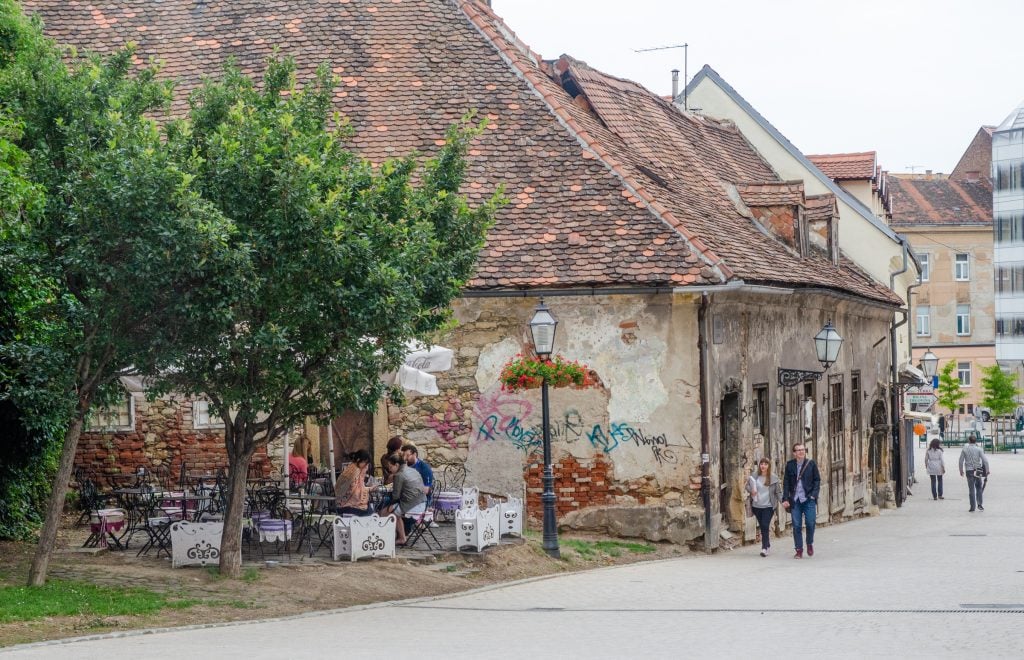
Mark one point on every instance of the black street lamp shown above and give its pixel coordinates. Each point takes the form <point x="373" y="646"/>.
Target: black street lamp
<point x="542" y="328"/>
<point x="826" y="346"/>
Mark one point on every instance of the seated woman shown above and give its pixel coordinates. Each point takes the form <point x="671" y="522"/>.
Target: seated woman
<point x="409" y="498"/>
<point x="298" y="468"/>
<point x="394" y="444"/>
<point x="350" y="491"/>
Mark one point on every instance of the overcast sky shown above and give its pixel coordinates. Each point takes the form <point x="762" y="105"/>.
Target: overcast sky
<point x="910" y="79"/>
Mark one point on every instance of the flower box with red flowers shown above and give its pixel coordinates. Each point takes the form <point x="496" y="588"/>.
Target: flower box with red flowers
<point x="522" y="373"/>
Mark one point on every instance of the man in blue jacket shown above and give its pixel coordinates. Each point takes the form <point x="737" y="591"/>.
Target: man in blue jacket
<point x="800" y="497"/>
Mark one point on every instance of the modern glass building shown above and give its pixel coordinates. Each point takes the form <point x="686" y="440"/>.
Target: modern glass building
<point x="1008" y="216"/>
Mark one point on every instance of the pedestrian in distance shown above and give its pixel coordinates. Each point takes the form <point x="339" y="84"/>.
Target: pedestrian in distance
<point x="765" y="493"/>
<point x="800" y="488"/>
<point x="942" y="426"/>
<point x="935" y="465"/>
<point x="975" y="463"/>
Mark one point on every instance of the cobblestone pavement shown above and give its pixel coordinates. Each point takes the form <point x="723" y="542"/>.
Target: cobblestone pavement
<point x="926" y="580"/>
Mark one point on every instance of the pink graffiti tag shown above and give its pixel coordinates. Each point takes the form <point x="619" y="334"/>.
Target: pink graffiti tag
<point x="453" y="426"/>
<point x="495" y="411"/>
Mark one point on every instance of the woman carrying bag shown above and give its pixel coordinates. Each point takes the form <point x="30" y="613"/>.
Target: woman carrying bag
<point x="765" y="492"/>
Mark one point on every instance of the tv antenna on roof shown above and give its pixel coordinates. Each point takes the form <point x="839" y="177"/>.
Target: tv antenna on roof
<point x="675" y="72"/>
<point x="913" y="168"/>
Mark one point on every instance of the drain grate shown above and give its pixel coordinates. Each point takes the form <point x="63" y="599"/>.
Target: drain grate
<point x="968" y="534"/>
<point x="968" y="608"/>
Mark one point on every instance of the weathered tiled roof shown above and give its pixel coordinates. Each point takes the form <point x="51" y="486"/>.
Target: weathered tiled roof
<point x="690" y="162"/>
<point x="919" y="200"/>
<point x="841" y="167"/>
<point x="630" y="194"/>
<point x="781" y="193"/>
<point x="409" y="69"/>
<point x="820" y="207"/>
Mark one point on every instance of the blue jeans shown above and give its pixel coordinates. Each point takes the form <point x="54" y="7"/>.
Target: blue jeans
<point x="803" y="513"/>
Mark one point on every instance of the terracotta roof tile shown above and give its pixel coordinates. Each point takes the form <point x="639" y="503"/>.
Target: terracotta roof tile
<point x="918" y="200"/>
<point x="846" y="166"/>
<point x="619" y="188"/>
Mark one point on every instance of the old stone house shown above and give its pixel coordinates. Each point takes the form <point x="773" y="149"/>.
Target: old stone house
<point x="683" y="270"/>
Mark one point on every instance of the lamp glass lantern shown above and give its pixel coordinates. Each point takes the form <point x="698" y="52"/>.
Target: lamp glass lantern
<point x="929" y="363"/>
<point x="542" y="328"/>
<point x="827" y="344"/>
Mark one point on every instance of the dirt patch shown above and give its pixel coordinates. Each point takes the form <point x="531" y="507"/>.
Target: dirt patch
<point x="297" y="584"/>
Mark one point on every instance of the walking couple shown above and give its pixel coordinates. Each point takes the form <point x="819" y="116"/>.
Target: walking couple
<point x="798" y="494"/>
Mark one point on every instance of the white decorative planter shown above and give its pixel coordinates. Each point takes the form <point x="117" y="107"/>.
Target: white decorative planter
<point x="470" y="498"/>
<point x="364" y="536"/>
<point x="195" y="544"/>
<point x="477" y="527"/>
<point x="510" y="514"/>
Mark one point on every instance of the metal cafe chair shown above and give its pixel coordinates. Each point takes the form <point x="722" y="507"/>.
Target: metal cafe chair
<point x="421" y="527"/>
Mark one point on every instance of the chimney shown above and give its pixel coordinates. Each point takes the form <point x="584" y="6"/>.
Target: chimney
<point x="675" y="84"/>
<point x="928" y="174"/>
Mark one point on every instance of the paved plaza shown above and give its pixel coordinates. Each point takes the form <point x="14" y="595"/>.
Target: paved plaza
<point x="927" y="580"/>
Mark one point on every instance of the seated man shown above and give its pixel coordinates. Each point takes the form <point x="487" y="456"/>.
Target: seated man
<point x="409" y="498"/>
<point x="412" y="459"/>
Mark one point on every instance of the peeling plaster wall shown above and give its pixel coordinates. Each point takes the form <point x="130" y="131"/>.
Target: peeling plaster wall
<point x="750" y="337"/>
<point x="642" y="420"/>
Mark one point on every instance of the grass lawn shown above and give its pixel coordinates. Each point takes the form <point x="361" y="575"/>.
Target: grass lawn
<point x="66" y="598"/>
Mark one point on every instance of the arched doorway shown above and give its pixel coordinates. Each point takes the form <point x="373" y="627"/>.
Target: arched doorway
<point x="729" y="453"/>
<point x="876" y="449"/>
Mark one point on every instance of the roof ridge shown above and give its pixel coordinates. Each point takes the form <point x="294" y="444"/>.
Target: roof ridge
<point x="473" y="10"/>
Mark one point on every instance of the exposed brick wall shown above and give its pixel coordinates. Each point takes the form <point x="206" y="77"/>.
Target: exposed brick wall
<point x="163" y="435"/>
<point x="588" y="482"/>
<point x="977" y="159"/>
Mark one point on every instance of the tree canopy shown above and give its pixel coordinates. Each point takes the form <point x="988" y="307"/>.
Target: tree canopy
<point x="949" y="394"/>
<point x="347" y="262"/>
<point x="132" y="262"/>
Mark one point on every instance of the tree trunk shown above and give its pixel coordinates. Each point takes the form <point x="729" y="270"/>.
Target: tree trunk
<point x="55" y="505"/>
<point x="238" y="471"/>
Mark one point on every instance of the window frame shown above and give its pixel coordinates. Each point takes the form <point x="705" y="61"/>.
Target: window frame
<point x="924" y="258"/>
<point x="962" y="274"/>
<point x="105" y="413"/>
<point x="961" y="370"/>
<point x="963" y="321"/>
<point x="927" y="317"/>
<point x="197" y="412"/>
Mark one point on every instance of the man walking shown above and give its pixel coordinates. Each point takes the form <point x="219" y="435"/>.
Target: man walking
<point x="973" y="459"/>
<point x="800" y="489"/>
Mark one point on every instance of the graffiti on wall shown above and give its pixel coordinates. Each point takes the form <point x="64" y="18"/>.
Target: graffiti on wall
<point x="453" y="425"/>
<point x="501" y="418"/>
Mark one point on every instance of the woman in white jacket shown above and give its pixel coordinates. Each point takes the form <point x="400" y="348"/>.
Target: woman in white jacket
<point x="936" y="467"/>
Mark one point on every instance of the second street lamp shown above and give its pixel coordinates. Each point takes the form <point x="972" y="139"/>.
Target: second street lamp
<point x="542" y="329"/>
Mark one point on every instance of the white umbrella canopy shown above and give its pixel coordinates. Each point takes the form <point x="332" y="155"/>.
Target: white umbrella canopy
<point x="420" y="362"/>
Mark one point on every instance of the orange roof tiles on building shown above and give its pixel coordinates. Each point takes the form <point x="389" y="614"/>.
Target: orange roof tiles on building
<point x="843" y="167"/>
<point x="612" y="187"/>
<point x="919" y="200"/>
<point x="936" y="200"/>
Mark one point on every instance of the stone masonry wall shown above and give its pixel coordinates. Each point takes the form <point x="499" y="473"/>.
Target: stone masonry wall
<point x="632" y="440"/>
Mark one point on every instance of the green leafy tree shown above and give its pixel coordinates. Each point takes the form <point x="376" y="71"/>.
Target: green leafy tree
<point x="949" y="393"/>
<point x="124" y="248"/>
<point x="999" y="392"/>
<point x="348" y="261"/>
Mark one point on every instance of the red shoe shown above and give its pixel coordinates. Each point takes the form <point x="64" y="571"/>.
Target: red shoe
<point x="810" y="550"/>
<point x="799" y="554"/>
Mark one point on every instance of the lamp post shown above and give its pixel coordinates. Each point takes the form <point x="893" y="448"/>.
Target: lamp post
<point x="542" y="328"/>
<point x="826" y="346"/>
<point x="929" y="364"/>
